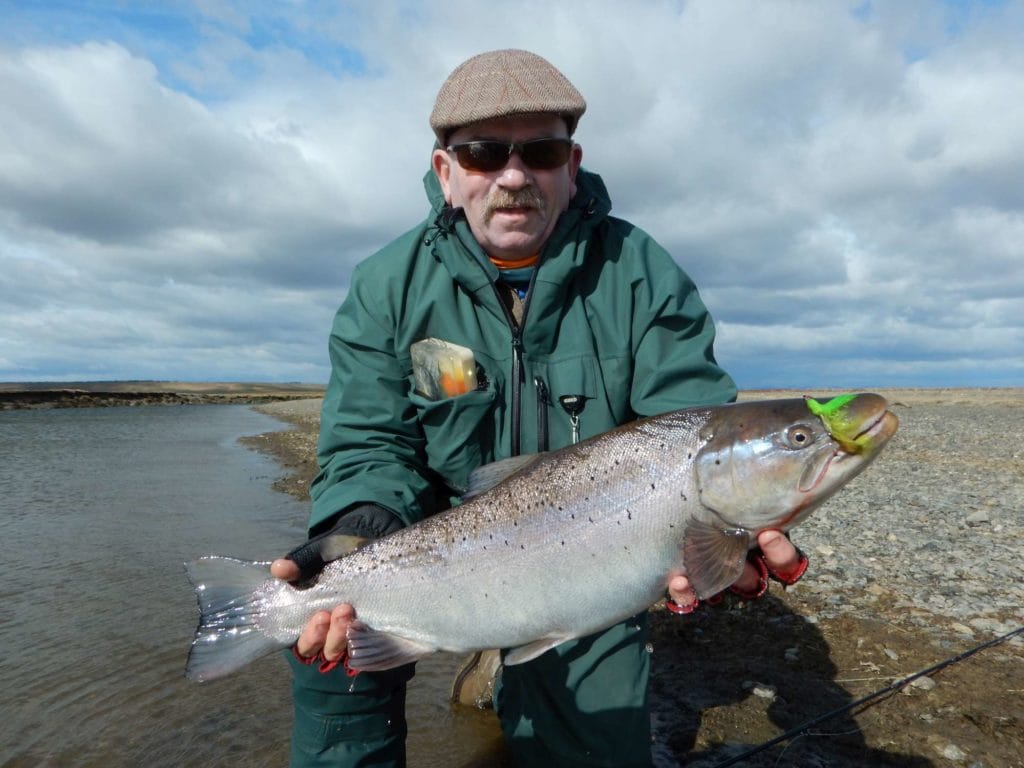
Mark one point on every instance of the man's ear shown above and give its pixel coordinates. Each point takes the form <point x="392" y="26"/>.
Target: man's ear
<point x="442" y="165"/>
<point x="575" y="160"/>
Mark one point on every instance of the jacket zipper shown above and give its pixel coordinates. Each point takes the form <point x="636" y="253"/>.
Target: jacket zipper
<point x="447" y="220"/>
<point x="518" y="375"/>
<point x="543" y="401"/>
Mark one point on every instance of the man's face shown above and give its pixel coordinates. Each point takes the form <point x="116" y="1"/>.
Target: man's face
<point x="513" y="210"/>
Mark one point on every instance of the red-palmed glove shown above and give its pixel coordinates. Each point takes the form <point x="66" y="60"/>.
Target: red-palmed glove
<point x="764" y="572"/>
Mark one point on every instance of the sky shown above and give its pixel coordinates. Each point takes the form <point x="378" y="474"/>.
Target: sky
<point x="185" y="187"/>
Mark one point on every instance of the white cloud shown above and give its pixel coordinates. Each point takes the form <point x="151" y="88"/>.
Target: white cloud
<point x="841" y="179"/>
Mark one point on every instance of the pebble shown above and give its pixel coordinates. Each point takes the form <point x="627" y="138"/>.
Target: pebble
<point x="923" y="683"/>
<point x="953" y="752"/>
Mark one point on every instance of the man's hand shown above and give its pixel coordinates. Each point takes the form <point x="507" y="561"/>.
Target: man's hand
<point x="327" y="632"/>
<point x="780" y="556"/>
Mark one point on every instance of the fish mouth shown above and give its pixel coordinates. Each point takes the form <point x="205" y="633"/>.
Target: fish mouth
<point x="883" y="427"/>
<point x="859" y="423"/>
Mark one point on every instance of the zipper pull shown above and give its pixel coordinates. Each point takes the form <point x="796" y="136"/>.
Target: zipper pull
<point x="543" y="400"/>
<point x="573" y="405"/>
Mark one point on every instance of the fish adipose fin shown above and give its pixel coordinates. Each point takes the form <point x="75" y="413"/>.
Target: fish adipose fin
<point x="713" y="556"/>
<point x="372" y="651"/>
<point x="227" y="637"/>
<point x="531" y="651"/>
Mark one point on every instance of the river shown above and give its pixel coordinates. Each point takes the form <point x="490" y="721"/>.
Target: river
<point x="99" y="509"/>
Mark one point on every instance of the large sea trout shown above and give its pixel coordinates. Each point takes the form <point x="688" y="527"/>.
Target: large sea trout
<point x="558" y="545"/>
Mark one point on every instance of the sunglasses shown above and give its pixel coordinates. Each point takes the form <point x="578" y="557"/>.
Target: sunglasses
<point x="538" y="154"/>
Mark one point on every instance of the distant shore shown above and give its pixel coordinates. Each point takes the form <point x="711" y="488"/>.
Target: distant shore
<point x="99" y="394"/>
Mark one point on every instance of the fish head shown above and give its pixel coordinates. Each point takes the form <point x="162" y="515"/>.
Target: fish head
<point x="769" y="464"/>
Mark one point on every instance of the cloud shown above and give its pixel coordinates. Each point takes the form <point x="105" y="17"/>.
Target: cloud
<point x="184" y="191"/>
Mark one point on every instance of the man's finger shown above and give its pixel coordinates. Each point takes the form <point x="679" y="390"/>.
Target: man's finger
<point x="679" y="589"/>
<point x="314" y="634"/>
<point x="284" y="569"/>
<point x="778" y="551"/>
<point x="337" y="635"/>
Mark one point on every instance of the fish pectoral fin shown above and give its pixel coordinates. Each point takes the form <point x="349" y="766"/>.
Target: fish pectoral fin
<point x="533" y="649"/>
<point x="484" y="478"/>
<point x="372" y="651"/>
<point x="713" y="556"/>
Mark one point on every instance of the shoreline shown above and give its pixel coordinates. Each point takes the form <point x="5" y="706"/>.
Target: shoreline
<point x="104" y="394"/>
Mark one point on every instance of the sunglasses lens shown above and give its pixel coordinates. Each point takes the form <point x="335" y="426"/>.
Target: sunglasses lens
<point x="482" y="155"/>
<point x="487" y="156"/>
<point x="545" y="154"/>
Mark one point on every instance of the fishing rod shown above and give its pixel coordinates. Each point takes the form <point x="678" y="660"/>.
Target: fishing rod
<point x="803" y="729"/>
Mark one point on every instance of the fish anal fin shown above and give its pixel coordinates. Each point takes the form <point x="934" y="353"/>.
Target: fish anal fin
<point x="713" y="556"/>
<point x="372" y="651"/>
<point x="532" y="650"/>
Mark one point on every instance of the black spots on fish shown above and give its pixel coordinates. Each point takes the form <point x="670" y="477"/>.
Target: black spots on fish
<point x="689" y="455"/>
<point x="653" y="486"/>
<point x="563" y="542"/>
<point x="590" y="519"/>
<point x="522" y="546"/>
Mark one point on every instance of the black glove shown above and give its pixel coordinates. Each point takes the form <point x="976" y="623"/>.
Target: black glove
<point x="365" y="521"/>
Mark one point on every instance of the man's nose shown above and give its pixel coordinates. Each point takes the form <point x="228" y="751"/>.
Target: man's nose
<point x="515" y="174"/>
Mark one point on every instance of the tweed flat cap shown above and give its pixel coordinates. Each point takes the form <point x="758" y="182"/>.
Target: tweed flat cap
<point x="500" y="83"/>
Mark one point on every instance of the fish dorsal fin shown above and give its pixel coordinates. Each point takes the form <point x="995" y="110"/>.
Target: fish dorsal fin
<point x="531" y="651"/>
<point x="372" y="651"/>
<point x="339" y="545"/>
<point x="483" y="478"/>
<point x="713" y="556"/>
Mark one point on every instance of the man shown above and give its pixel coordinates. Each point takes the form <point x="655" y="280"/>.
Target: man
<point x="578" y="322"/>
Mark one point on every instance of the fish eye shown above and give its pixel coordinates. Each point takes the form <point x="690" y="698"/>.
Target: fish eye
<point x="799" y="436"/>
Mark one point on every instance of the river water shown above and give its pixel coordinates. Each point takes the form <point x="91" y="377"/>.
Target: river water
<point x="99" y="509"/>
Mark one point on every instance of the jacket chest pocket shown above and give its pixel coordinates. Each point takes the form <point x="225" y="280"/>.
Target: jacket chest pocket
<point x="571" y="401"/>
<point x="459" y="433"/>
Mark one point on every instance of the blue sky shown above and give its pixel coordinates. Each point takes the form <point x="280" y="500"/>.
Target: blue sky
<point x="186" y="186"/>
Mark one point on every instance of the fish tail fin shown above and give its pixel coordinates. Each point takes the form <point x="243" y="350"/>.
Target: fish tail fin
<point x="228" y="636"/>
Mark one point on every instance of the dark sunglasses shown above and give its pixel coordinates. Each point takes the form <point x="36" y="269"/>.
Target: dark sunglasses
<point x="486" y="156"/>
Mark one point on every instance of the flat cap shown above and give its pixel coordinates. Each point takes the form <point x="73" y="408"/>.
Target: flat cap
<point x="501" y="83"/>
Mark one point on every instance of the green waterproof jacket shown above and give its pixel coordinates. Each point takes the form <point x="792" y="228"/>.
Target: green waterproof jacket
<point x="609" y="317"/>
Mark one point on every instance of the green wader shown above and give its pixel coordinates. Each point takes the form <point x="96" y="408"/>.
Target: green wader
<point x="345" y="722"/>
<point x="582" y="704"/>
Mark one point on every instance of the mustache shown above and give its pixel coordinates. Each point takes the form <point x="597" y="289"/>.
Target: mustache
<point x="529" y="197"/>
